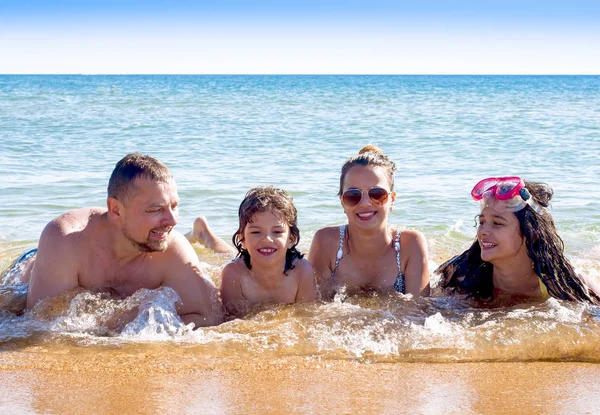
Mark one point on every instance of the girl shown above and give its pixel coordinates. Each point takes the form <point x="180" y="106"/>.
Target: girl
<point x="367" y="254"/>
<point x="518" y="252"/>
<point x="268" y="267"/>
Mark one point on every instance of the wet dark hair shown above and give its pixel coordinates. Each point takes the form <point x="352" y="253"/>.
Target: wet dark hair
<point x="121" y="183"/>
<point x="279" y="203"/>
<point x="369" y="155"/>
<point x="468" y="274"/>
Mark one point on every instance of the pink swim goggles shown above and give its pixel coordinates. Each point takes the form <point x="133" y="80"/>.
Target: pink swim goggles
<point x="510" y="191"/>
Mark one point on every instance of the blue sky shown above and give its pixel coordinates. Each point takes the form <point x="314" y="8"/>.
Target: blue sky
<point x="317" y="37"/>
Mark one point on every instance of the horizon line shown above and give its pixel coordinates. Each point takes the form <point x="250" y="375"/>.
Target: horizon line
<point x="299" y="74"/>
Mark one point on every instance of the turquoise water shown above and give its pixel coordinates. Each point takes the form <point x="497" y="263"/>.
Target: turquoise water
<point x="221" y="135"/>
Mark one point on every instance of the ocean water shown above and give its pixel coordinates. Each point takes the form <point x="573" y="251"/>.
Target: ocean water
<point x="221" y="135"/>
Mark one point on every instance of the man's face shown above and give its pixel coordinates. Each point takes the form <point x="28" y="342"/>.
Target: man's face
<point x="150" y="215"/>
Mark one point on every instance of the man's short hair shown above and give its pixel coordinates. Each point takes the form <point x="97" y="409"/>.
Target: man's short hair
<point x="132" y="166"/>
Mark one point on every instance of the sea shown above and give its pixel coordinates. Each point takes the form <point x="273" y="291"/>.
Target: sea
<point x="61" y="136"/>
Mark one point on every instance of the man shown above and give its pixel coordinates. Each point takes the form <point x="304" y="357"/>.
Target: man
<point x="128" y="246"/>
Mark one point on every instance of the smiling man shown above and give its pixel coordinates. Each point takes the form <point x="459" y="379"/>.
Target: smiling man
<point x="129" y="245"/>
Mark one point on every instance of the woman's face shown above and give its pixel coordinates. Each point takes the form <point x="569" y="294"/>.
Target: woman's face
<point x="499" y="235"/>
<point x="367" y="214"/>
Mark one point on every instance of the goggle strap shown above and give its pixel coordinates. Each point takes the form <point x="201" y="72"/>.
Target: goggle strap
<point x="535" y="206"/>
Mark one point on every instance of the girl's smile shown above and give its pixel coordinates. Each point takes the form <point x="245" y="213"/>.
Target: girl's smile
<point x="267" y="238"/>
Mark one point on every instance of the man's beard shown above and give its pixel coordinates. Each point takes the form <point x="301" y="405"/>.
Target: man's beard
<point x="148" y="245"/>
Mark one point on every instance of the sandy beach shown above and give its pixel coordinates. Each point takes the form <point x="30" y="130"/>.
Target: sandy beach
<point x="164" y="379"/>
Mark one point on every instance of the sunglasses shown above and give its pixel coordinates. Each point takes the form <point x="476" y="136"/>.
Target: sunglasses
<point x="352" y="196"/>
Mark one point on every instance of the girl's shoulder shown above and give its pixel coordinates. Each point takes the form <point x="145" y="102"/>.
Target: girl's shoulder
<point x="302" y="266"/>
<point x="233" y="269"/>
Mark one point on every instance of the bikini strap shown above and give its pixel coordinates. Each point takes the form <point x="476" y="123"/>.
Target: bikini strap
<point x="340" y="251"/>
<point x="397" y="247"/>
<point x="399" y="284"/>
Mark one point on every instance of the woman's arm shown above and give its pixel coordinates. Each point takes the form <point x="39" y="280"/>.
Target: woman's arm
<point x="319" y="256"/>
<point x="307" y="285"/>
<point x="414" y="260"/>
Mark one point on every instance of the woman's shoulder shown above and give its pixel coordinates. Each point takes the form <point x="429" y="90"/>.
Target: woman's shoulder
<point x="328" y="234"/>
<point x="410" y="235"/>
<point x="412" y="240"/>
<point x="324" y="242"/>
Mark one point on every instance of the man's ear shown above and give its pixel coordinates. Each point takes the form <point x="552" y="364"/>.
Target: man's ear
<point x="115" y="207"/>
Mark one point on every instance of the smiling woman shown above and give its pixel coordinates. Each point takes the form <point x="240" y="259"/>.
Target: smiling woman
<point x="367" y="254"/>
<point x="518" y="252"/>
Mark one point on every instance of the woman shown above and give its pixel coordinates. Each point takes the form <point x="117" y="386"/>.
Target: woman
<point x="518" y="252"/>
<point x="367" y="254"/>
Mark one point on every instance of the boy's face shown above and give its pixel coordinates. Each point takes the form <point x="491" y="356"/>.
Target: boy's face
<point x="267" y="238"/>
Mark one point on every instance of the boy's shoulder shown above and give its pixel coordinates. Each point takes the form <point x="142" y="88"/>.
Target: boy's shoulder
<point x="234" y="268"/>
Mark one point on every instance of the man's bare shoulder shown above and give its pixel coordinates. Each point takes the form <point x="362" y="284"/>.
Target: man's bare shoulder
<point x="179" y="249"/>
<point x="78" y="220"/>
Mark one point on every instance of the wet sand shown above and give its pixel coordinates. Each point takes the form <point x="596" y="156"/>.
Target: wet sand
<point x="149" y="378"/>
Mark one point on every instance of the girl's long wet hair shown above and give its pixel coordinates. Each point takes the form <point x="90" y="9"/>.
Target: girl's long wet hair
<point x="468" y="274"/>
<point x="280" y="204"/>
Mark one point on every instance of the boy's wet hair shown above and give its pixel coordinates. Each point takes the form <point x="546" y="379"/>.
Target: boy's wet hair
<point x="372" y="156"/>
<point x="280" y="204"/>
<point x="468" y="274"/>
<point x="121" y="183"/>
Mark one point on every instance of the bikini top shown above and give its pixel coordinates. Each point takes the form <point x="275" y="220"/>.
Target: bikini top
<point x="399" y="283"/>
<point x="544" y="290"/>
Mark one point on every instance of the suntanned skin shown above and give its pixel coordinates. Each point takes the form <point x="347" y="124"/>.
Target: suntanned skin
<point x="101" y="250"/>
<point x="242" y="289"/>
<point x="372" y="268"/>
<point x="266" y="239"/>
<point x="369" y="257"/>
<point x="203" y="234"/>
<point x="504" y="247"/>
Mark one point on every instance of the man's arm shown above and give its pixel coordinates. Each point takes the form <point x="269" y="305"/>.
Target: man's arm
<point x="55" y="267"/>
<point x="200" y="301"/>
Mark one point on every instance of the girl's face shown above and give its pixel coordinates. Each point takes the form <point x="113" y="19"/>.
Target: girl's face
<point x="499" y="235"/>
<point x="267" y="238"/>
<point x="368" y="213"/>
